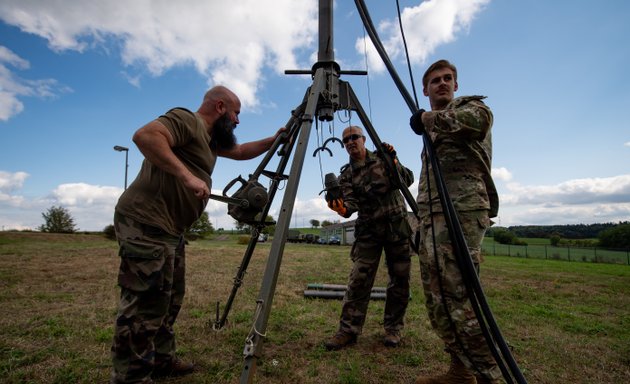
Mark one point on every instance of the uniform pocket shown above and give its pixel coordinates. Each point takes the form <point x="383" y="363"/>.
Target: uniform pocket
<point x="399" y="228"/>
<point x="141" y="265"/>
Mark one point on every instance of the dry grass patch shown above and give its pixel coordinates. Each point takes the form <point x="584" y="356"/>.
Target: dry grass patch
<point x="567" y="322"/>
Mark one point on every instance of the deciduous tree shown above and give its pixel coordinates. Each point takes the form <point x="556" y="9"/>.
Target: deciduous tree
<point x="58" y="220"/>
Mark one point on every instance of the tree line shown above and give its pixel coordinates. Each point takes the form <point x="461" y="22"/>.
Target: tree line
<point x="570" y="231"/>
<point x="607" y="235"/>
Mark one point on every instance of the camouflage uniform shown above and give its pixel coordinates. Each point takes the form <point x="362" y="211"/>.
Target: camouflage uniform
<point x="152" y="281"/>
<point x="150" y="219"/>
<point x="382" y="223"/>
<point x="463" y="145"/>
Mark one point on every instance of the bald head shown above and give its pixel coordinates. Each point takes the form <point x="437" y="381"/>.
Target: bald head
<point x="219" y="101"/>
<point x="220" y="93"/>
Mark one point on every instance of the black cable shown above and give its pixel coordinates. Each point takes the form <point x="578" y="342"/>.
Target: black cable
<point x="402" y="34"/>
<point x="458" y="241"/>
<point x="430" y="206"/>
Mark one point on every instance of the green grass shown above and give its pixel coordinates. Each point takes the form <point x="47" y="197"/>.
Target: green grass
<point x="565" y="322"/>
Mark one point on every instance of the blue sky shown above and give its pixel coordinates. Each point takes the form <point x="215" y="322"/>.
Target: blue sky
<point x="78" y="77"/>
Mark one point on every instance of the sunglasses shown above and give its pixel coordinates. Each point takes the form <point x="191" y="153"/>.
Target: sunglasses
<point x="352" y="137"/>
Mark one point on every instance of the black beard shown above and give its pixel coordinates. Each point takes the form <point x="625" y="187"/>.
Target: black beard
<point x="223" y="133"/>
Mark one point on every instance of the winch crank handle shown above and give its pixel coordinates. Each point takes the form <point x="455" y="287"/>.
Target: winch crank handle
<point x="231" y="183"/>
<point x="230" y="200"/>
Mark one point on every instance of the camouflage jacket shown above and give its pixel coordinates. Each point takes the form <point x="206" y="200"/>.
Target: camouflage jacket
<point x="462" y="138"/>
<point x="369" y="189"/>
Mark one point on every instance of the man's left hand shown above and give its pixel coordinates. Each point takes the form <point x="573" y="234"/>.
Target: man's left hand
<point x="389" y="149"/>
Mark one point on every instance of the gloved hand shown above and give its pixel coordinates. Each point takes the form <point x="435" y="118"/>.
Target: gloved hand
<point x="337" y="206"/>
<point x="389" y="149"/>
<point x="416" y="122"/>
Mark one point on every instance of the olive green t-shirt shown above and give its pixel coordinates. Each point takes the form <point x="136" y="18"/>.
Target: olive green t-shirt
<point x="158" y="198"/>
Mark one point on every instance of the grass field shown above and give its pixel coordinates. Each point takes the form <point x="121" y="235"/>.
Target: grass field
<point x="566" y="322"/>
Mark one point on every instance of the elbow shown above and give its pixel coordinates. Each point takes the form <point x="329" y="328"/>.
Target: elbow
<point x="140" y="137"/>
<point x="137" y="138"/>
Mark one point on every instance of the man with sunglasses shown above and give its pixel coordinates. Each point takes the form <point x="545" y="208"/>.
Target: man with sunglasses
<point x="460" y="129"/>
<point x="369" y="188"/>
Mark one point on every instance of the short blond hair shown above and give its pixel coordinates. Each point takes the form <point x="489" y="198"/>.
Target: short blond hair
<point x="438" y="65"/>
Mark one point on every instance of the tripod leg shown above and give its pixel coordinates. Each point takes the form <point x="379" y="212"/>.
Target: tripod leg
<point x="253" y="343"/>
<point x="353" y="103"/>
<point x="240" y="274"/>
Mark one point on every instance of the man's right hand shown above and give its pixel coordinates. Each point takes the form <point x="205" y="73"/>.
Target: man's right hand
<point x="416" y="122"/>
<point x="198" y="186"/>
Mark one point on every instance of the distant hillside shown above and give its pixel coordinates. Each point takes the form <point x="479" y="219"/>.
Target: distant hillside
<point x="574" y="231"/>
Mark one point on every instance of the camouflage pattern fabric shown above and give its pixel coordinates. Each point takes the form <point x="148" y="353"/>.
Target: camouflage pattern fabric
<point x="462" y="138"/>
<point x="382" y="224"/>
<point x="442" y="281"/>
<point x="366" y="256"/>
<point x="368" y="189"/>
<point x="152" y="282"/>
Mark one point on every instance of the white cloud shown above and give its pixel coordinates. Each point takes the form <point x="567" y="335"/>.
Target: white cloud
<point x="12" y="87"/>
<point x="589" y="200"/>
<point x="76" y="194"/>
<point x="12" y="181"/>
<point x="501" y="174"/>
<point x="426" y="26"/>
<point x="573" y="192"/>
<point x="626" y="144"/>
<point x="91" y="206"/>
<point x="560" y="215"/>
<point x="230" y="45"/>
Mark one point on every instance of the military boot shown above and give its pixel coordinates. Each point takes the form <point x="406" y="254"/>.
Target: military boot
<point x="339" y="340"/>
<point x="457" y="374"/>
<point x="391" y="339"/>
<point x="172" y="367"/>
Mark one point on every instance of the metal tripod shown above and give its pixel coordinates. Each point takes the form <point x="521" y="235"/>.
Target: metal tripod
<point x="323" y="98"/>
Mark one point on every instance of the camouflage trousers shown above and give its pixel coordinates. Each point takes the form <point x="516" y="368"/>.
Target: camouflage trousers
<point x="366" y="256"/>
<point x="464" y="336"/>
<point x="152" y="283"/>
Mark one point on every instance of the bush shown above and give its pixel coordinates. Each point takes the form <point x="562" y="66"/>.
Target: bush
<point x="615" y="237"/>
<point x="555" y="239"/>
<point x="110" y="232"/>
<point x="503" y="236"/>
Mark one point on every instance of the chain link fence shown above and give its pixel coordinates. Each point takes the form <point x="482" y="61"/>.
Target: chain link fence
<point x="567" y="253"/>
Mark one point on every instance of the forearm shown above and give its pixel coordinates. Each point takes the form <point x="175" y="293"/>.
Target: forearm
<point x="251" y="149"/>
<point x="470" y="121"/>
<point x="248" y="150"/>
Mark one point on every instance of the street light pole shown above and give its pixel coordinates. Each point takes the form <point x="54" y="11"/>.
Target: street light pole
<point x="126" y="150"/>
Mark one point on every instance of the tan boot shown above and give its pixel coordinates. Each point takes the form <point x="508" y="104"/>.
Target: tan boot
<point x="457" y="374"/>
<point x="392" y="339"/>
<point x="340" y="340"/>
